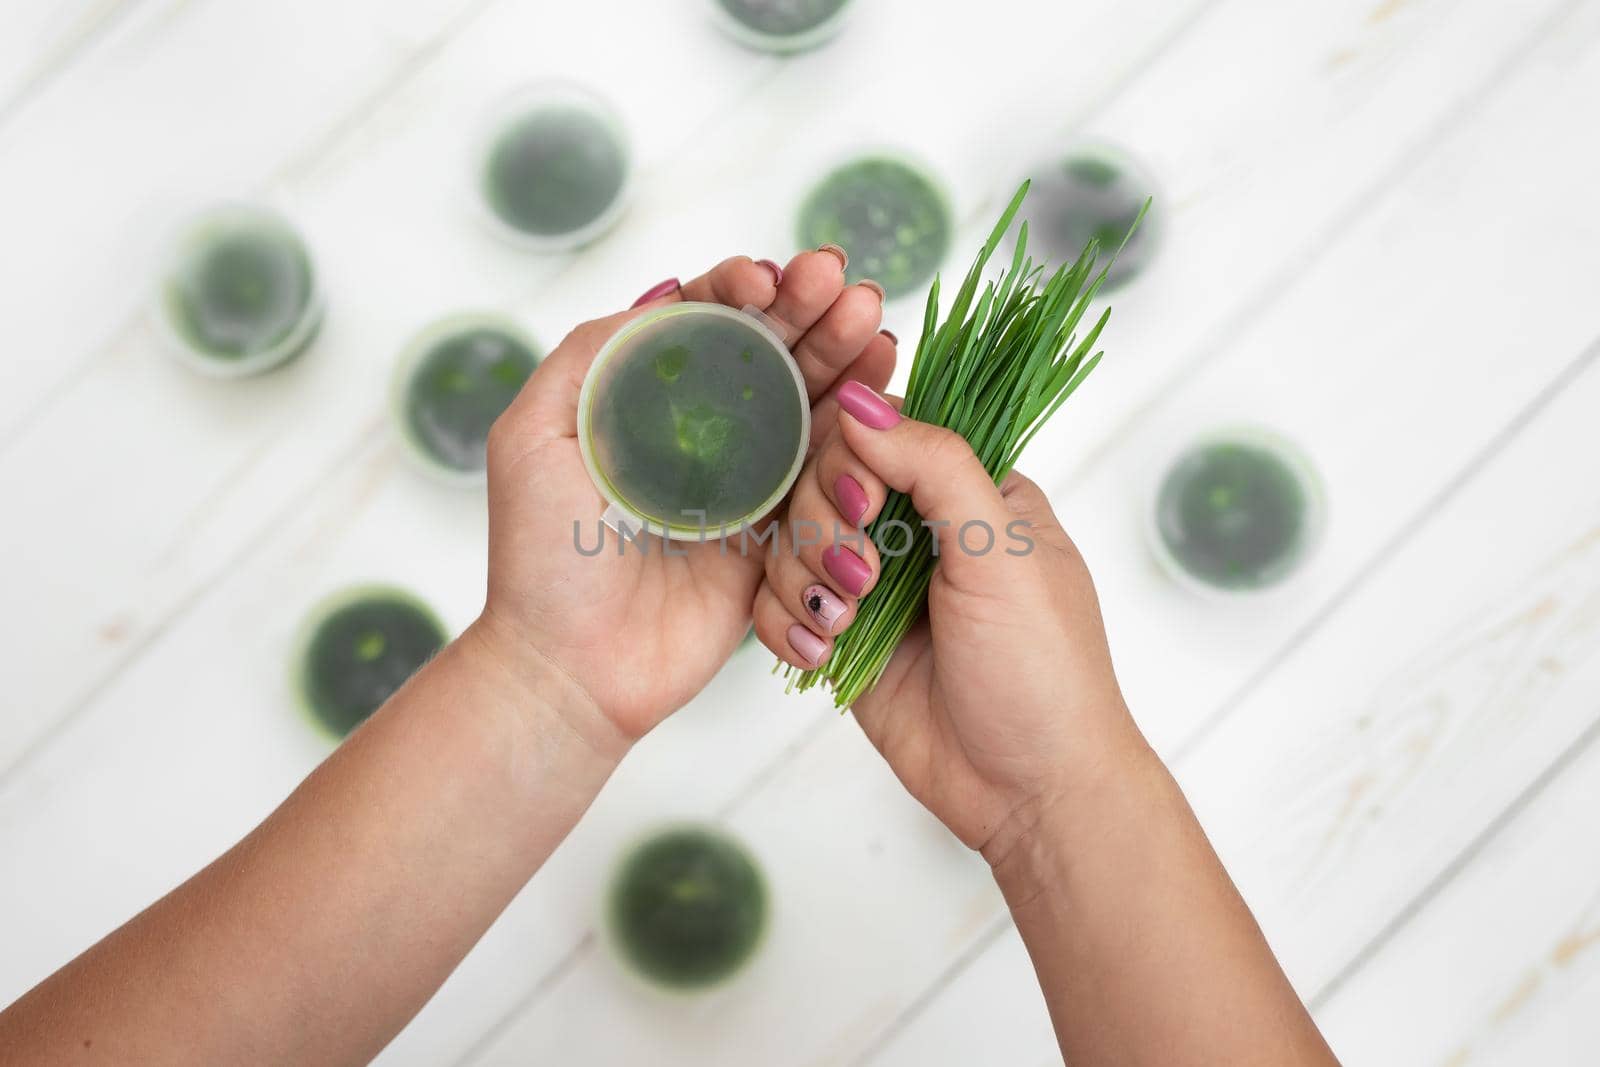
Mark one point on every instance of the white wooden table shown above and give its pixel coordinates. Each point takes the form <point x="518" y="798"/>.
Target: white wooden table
<point x="1383" y="236"/>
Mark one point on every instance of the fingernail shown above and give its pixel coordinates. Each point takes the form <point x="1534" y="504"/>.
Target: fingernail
<point x="823" y="606"/>
<point x="777" y="271"/>
<point x="847" y="568"/>
<point x="853" y="502"/>
<point x="868" y="407"/>
<point x="808" y="645"/>
<point x="656" y="292"/>
<point x="868" y="283"/>
<point x="890" y="335"/>
<point x="838" y="253"/>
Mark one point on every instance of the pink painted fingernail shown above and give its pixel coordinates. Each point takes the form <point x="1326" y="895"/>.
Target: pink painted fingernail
<point x="808" y="645"/>
<point x="656" y="292"/>
<point x="777" y="271"/>
<point x="823" y="606"/>
<point x="847" y="568"/>
<point x="853" y="502"/>
<point x="868" y="407"/>
<point x="868" y="283"/>
<point x="838" y="253"/>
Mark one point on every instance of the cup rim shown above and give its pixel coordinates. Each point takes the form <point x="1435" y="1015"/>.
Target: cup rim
<point x="586" y="401"/>
<point x="1300" y="465"/>
<point x="605" y="919"/>
<point x="524" y="100"/>
<point x="781" y="43"/>
<point x="179" y="243"/>
<point x="419" y="344"/>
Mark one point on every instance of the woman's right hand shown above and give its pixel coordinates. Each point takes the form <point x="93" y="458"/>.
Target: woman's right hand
<point x="1002" y="699"/>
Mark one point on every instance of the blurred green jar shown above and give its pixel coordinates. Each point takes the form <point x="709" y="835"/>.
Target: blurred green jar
<point x="554" y="169"/>
<point x="889" y="216"/>
<point x="782" y="26"/>
<point x="693" y="420"/>
<point x="1093" y="192"/>
<point x="239" y="294"/>
<point x="357" y="648"/>
<point x="1238" y="510"/>
<point x="453" y="380"/>
<point x="687" y="908"/>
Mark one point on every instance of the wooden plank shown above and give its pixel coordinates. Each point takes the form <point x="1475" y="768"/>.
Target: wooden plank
<point x="44" y="38"/>
<point x="1422" y="226"/>
<point x="1501" y="968"/>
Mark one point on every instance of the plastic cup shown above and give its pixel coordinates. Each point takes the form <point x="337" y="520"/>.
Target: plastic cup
<point x="1239" y="510"/>
<point x="453" y="379"/>
<point x="693" y="421"/>
<point x="553" y="168"/>
<point x="239" y="292"/>
<point x="356" y="648"/>
<point x="1093" y="191"/>
<point x="888" y="213"/>
<point x="686" y="909"/>
<point x="781" y="26"/>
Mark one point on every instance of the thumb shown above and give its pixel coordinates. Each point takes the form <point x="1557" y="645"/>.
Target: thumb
<point x="938" y="470"/>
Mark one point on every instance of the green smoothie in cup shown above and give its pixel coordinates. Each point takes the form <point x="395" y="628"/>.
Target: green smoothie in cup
<point x="889" y="217"/>
<point x="358" y="648"/>
<point x="694" y="420"/>
<point x="453" y="381"/>
<point x="781" y="26"/>
<point x="240" y="294"/>
<point x="1094" y="192"/>
<point x="687" y="908"/>
<point x="1238" y="511"/>
<point x="554" y="172"/>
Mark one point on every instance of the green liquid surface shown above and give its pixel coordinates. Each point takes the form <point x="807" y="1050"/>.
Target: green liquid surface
<point x="239" y="288"/>
<point x="554" y="171"/>
<point x="1233" y="515"/>
<point x="889" y="217"/>
<point x="696" y="413"/>
<point x="782" y="18"/>
<point x="459" y="387"/>
<point x="688" y="908"/>
<point x="1090" y="196"/>
<point x="363" y="651"/>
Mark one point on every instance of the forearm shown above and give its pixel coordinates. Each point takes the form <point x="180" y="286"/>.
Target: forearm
<point x="320" y="934"/>
<point x="1145" y="951"/>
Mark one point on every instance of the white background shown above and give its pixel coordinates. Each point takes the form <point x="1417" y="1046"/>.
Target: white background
<point x="1381" y="237"/>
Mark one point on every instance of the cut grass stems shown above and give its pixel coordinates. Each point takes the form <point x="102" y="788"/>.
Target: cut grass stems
<point x="998" y="367"/>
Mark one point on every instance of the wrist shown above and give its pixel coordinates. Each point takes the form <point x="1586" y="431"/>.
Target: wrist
<point x="544" y="694"/>
<point x="1032" y="852"/>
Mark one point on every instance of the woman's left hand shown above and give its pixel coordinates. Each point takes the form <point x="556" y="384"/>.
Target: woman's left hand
<point x="640" y="633"/>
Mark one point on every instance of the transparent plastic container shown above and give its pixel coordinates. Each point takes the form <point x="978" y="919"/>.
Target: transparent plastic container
<point x="1239" y="510"/>
<point x="553" y="168"/>
<point x="453" y="379"/>
<point x="686" y="909"/>
<point x="693" y="421"/>
<point x="1093" y="190"/>
<point x="356" y="648"/>
<point x="781" y="26"/>
<point x="238" y="293"/>
<point x="888" y="212"/>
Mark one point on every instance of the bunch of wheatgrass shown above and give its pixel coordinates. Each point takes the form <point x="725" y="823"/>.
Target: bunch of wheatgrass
<point x="994" y="371"/>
